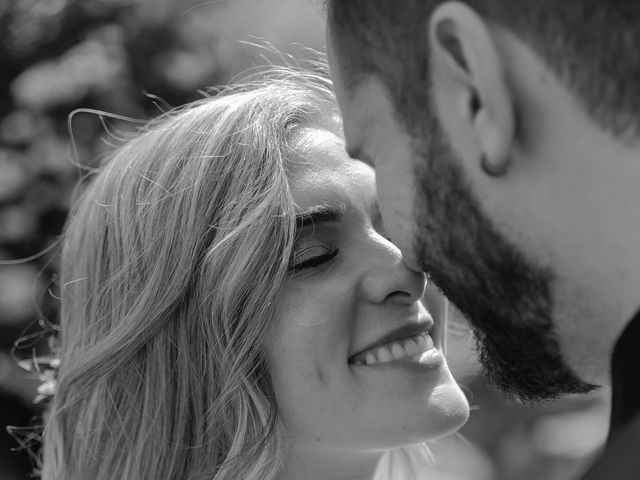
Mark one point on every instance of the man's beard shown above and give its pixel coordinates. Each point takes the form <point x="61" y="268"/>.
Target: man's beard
<point x="506" y="298"/>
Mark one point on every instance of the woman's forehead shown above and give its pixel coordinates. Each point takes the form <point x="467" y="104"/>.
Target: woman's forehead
<point x="332" y="178"/>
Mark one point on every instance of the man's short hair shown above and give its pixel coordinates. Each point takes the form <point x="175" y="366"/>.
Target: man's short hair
<point x="593" y="46"/>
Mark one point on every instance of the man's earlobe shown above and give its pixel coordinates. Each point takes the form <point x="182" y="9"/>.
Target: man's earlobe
<point x="470" y="87"/>
<point x="495" y="169"/>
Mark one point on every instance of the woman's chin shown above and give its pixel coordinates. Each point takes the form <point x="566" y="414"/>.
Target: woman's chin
<point x="454" y="409"/>
<point x="447" y="410"/>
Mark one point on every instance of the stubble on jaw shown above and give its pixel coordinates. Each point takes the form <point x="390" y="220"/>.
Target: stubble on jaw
<point x="504" y="296"/>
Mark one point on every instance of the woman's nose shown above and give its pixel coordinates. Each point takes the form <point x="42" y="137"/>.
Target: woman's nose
<point x="386" y="276"/>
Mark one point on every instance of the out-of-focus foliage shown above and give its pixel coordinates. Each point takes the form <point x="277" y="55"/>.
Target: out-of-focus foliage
<point x="131" y="58"/>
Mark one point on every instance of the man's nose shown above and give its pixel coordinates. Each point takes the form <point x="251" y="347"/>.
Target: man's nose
<point x="411" y="262"/>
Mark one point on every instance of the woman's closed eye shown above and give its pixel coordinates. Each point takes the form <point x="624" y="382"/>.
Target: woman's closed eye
<point x="311" y="256"/>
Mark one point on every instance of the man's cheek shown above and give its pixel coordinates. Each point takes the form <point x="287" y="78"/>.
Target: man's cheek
<point x="397" y="210"/>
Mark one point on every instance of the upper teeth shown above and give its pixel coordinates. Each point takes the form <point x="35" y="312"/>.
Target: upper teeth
<point x="398" y="350"/>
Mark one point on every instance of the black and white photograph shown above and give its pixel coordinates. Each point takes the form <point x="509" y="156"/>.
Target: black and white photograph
<point x="319" y="240"/>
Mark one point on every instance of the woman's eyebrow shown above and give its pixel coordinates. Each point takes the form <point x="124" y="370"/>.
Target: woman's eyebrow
<point x="319" y="214"/>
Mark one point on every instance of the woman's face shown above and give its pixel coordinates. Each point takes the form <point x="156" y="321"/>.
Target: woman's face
<point x="355" y="358"/>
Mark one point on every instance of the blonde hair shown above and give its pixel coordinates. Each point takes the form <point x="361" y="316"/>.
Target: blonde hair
<point x="172" y="260"/>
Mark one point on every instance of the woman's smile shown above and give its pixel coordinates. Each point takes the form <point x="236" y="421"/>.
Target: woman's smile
<point x="416" y="348"/>
<point x="407" y="343"/>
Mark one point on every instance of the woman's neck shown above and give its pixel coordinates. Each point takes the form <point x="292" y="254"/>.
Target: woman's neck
<point x="317" y="462"/>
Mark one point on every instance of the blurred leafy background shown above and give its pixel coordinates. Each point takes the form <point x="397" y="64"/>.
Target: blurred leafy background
<point x="132" y="58"/>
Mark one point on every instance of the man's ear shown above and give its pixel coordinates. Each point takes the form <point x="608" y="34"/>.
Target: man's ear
<point x="469" y="86"/>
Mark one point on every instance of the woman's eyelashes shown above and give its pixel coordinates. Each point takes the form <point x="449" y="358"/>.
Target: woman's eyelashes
<point x="312" y="256"/>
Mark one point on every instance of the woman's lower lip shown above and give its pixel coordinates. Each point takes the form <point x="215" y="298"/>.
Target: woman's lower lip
<point x="432" y="357"/>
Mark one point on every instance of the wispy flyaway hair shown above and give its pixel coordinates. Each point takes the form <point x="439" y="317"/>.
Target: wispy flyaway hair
<point x="172" y="260"/>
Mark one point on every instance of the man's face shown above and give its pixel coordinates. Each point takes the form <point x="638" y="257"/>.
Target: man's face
<point x="431" y="213"/>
